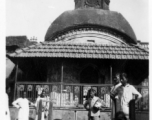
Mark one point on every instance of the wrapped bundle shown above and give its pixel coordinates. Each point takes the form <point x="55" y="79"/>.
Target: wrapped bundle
<point x="99" y="104"/>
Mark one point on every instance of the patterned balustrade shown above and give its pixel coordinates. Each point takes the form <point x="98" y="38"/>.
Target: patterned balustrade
<point x="143" y="104"/>
<point x="74" y="95"/>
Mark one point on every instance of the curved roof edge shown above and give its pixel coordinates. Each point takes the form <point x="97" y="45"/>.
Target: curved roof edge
<point x="79" y="17"/>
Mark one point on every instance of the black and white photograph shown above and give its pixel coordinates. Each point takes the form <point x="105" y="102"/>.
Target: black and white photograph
<point x="77" y="60"/>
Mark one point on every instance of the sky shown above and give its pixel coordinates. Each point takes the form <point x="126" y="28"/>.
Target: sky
<point x="33" y="17"/>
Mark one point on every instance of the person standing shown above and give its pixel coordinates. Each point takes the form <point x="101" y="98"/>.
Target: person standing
<point x="45" y="105"/>
<point x="116" y="84"/>
<point x="93" y="105"/>
<point x="125" y="94"/>
<point x="23" y="105"/>
<point x="7" y="112"/>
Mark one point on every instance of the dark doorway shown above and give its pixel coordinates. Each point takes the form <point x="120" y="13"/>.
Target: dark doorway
<point x="89" y="75"/>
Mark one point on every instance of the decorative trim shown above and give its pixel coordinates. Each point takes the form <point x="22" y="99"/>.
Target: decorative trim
<point x="46" y="88"/>
<point x="20" y="87"/>
<point x="54" y="88"/>
<point x="38" y="87"/>
<point x="68" y="88"/>
<point x="29" y="87"/>
<point x="103" y="90"/>
<point x="76" y="89"/>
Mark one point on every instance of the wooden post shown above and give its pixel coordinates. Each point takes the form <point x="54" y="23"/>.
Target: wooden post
<point x="111" y="74"/>
<point x="40" y="110"/>
<point x="132" y="114"/>
<point x="113" y="101"/>
<point x="15" y="80"/>
<point x="81" y="95"/>
<point x="50" y="117"/>
<point x="61" y="83"/>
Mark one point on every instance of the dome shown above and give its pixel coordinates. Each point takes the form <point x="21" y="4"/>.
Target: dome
<point x="91" y="17"/>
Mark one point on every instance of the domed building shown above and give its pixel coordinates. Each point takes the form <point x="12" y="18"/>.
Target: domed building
<point x="83" y="48"/>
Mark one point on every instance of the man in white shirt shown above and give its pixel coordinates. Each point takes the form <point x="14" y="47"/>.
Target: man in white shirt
<point x="125" y="94"/>
<point x="23" y="105"/>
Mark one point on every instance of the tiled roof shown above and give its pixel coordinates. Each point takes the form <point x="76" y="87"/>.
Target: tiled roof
<point x="144" y="45"/>
<point x="83" y="50"/>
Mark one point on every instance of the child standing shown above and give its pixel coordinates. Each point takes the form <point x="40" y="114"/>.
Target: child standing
<point x="93" y="105"/>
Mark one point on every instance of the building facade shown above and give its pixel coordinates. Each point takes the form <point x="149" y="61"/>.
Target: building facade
<point x="83" y="48"/>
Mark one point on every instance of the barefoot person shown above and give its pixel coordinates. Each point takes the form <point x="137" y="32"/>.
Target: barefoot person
<point x="23" y="105"/>
<point x="125" y="94"/>
<point x="45" y="105"/>
<point x="93" y="105"/>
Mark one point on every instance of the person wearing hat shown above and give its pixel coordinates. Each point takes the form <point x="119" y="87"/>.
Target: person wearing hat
<point x="93" y="105"/>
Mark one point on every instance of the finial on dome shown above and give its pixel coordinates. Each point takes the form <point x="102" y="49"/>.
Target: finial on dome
<point x="97" y="4"/>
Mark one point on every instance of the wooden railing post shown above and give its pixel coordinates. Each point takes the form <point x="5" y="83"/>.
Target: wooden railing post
<point x="40" y="110"/>
<point x="15" y="86"/>
<point x="132" y="113"/>
<point x="50" y="116"/>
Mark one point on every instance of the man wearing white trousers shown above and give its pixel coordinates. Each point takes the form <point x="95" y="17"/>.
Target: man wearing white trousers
<point x="125" y="94"/>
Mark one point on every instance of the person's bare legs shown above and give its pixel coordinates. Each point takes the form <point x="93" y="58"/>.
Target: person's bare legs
<point x="94" y="118"/>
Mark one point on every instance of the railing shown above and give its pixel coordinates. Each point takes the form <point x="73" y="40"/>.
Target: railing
<point x="143" y="104"/>
<point x="74" y="95"/>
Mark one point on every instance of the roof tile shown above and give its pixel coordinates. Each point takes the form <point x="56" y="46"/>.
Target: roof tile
<point x="118" y="56"/>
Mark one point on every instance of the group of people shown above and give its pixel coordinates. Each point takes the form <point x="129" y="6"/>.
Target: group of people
<point x="121" y="94"/>
<point x="22" y="104"/>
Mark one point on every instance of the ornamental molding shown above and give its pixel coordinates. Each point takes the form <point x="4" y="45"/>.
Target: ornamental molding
<point x="91" y="33"/>
<point x="29" y="87"/>
<point x="20" y="87"/>
<point x="97" y="4"/>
